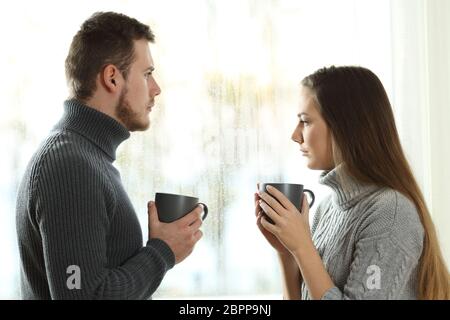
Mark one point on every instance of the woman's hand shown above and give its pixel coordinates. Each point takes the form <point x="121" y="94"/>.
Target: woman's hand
<point x="274" y="242"/>
<point x="290" y="227"/>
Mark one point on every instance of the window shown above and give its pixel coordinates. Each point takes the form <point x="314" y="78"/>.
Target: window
<point x="229" y="73"/>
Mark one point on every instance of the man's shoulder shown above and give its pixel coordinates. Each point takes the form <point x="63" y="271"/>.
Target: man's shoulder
<point x="66" y="151"/>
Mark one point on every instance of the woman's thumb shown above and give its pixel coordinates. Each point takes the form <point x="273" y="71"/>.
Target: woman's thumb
<point x="305" y="205"/>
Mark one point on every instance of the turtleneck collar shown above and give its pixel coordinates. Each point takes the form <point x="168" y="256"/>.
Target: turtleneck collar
<point x="347" y="191"/>
<point x="94" y="125"/>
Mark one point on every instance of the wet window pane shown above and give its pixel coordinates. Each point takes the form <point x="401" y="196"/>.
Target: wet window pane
<point x="229" y="73"/>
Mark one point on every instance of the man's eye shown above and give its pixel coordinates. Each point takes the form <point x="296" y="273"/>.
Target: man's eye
<point x="148" y="74"/>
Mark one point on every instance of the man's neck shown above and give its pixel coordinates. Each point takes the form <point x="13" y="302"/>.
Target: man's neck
<point x="103" y="105"/>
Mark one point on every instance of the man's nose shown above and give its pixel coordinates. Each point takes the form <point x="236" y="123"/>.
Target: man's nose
<point x="155" y="89"/>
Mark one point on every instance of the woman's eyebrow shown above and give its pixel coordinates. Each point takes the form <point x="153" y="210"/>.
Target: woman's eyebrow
<point x="150" y="69"/>
<point x="302" y="114"/>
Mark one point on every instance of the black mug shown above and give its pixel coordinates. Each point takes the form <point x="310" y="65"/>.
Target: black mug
<point x="172" y="207"/>
<point x="294" y="192"/>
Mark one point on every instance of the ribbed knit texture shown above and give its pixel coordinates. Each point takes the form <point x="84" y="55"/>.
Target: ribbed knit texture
<point x="72" y="210"/>
<point x="362" y="231"/>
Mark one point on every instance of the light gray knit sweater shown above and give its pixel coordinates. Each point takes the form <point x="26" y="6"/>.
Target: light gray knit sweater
<point x="370" y="240"/>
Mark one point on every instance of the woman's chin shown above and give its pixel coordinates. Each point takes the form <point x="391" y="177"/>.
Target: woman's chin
<point x="312" y="165"/>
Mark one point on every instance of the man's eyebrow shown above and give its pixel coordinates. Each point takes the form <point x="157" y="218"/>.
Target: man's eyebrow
<point x="302" y="114"/>
<point x="151" y="69"/>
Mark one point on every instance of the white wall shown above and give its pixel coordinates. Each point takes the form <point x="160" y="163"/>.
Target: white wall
<point x="438" y="22"/>
<point x="421" y="78"/>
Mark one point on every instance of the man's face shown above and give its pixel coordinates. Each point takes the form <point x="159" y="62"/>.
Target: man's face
<point x="138" y="96"/>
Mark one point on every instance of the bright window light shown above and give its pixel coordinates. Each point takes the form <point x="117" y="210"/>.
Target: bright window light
<point x="229" y="73"/>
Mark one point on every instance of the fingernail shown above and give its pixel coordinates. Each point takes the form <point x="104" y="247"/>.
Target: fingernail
<point x="269" y="188"/>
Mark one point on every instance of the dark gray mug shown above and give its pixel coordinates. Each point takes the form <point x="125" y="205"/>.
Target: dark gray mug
<point x="294" y="192"/>
<point x="172" y="207"/>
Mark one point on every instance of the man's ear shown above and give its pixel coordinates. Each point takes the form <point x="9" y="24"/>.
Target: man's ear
<point x="111" y="78"/>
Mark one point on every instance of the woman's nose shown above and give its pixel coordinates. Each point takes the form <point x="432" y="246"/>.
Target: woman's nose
<point x="297" y="136"/>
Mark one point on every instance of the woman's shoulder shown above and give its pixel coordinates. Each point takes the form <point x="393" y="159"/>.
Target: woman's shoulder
<point x="393" y="207"/>
<point x="392" y="214"/>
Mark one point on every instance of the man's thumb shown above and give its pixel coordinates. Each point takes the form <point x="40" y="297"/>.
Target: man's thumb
<point x="152" y="213"/>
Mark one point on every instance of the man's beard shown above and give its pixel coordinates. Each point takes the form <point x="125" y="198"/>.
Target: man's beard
<point x="131" y="119"/>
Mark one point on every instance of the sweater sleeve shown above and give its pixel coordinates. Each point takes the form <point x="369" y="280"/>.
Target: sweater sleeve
<point x="72" y="217"/>
<point x="386" y="256"/>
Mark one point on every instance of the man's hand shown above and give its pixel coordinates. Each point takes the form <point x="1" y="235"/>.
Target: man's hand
<point x="180" y="235"/>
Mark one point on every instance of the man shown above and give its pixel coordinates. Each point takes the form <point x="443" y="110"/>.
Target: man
<point x="79" y="236"/>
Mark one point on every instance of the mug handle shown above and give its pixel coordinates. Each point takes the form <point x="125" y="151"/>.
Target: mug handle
<point x="205" y="210"/>
<point x="312" y="196"/>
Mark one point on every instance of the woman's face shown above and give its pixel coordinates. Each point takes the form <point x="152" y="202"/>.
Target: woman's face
<point x="312" y="134"/>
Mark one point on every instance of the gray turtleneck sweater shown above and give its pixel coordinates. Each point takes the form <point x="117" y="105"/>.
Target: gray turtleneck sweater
<point x="78" y="234"/>
<point x="370" y="240"/>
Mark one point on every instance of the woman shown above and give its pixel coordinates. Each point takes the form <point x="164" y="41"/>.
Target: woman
<point x="373" y="237"/>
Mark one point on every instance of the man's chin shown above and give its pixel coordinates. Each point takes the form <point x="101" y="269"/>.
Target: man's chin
<point x="139" y="126"/>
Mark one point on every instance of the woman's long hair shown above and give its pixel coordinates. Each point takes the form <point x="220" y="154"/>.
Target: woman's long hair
<point x="356" y="108"/>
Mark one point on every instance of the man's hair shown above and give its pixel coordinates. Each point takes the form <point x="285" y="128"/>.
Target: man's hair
<point x="105" y="38"/>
